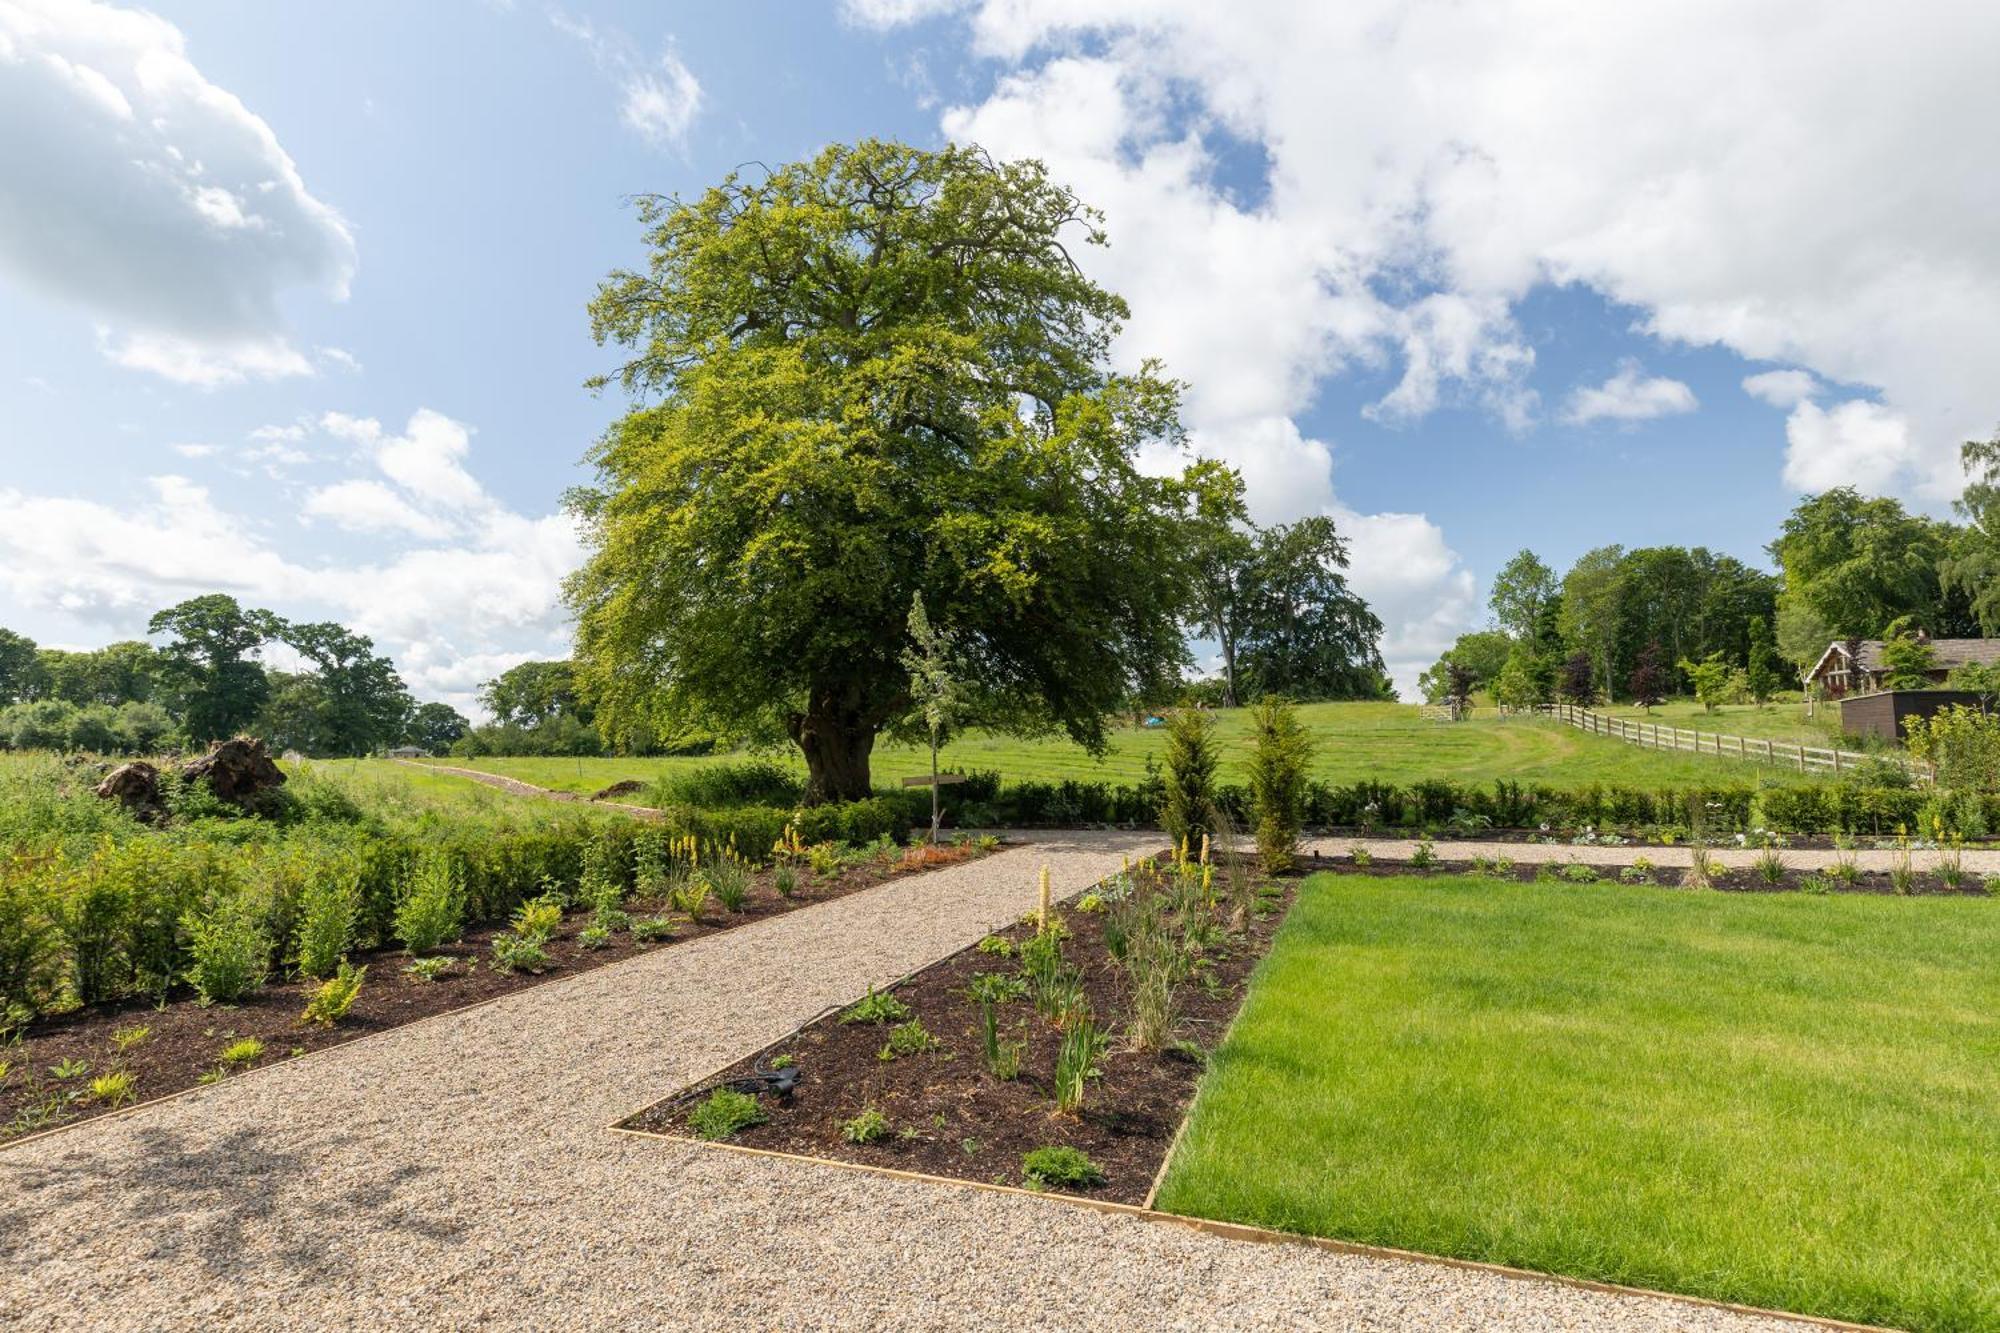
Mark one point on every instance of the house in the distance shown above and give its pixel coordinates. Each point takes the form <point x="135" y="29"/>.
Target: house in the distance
<point x="1840" y="671"/>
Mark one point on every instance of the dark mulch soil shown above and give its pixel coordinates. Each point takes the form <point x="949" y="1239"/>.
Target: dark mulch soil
<point x="951" y="1117"/>
<point x="185" y="1040"/>
<point x="1734" y="879"/>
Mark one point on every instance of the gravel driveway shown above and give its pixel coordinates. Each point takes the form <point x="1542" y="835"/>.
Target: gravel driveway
<point x="458" y="1174"/>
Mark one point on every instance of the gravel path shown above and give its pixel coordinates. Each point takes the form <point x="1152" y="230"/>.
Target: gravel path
<point x="1978" y="861"/>
<point x="458" y="1174"/>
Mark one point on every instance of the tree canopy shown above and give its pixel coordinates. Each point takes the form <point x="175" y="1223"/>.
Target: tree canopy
<point x="870" y="375"/>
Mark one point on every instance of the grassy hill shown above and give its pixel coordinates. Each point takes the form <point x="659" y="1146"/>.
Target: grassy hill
<point x="1355" y="741"/>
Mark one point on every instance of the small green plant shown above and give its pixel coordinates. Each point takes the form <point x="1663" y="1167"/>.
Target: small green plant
<point x="875" y="1007"/>
<point x="1578" y="872"/>
<point x="593" y="936"/>
<point x="241" y="1052"/>
<point x="911" y="1038"/>
<point x="730" y="881"/>
<point x="209" y="1076"/>
<point x="69" y="1069"/>
<point x="866" y="1127"/>
<point x="335" y="996"/>
<point x="825" y="859"/>
<point x="125" y="1038"/>
<point x="113" y="1089"/>
<point x="647" y="929"/>
<point x="1769" y="867"/>
<point x="725" y="1113"/>
<point x="537" y="920"/>
<point x="690" y="896"/>
<point x="429" y="969"/>
<point x="515" y="953"/>
<point x="1360" y="855"/>
<point x="1950" y="867"/>
<point x="431" y="912"/>
<point x="1845" y="870"/>
<point x="610" y="920"/>
<point x="997" y="945"/>
<point x="784" y="1062"/>
<point x="1090" y="902"/>
<point x="1902" y="875"/>
<point x="1424" y="855"/>
<point x="785" y="880"/>
<point x="1061" y="1167"/>
<point x="996" y="988"/>
<point x="1816" y="885"/>
<point x="1082" y="1044"/>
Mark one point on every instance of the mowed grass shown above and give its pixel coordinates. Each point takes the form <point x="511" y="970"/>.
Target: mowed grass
<point x="1355" y="741"/>
<point x="1783" y="1100"/>
<point x="1776" y="721"/>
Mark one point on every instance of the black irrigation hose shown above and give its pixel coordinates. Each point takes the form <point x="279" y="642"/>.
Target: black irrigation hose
<point x="761" y="1079"/>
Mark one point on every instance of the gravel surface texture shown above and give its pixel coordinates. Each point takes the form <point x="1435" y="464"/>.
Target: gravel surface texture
<point x="1979" y="861"/>
<point x="459" y="1174"/>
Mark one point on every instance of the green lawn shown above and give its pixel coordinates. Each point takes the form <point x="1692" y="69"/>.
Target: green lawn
<point x="1383" y="742"/>
<point x="1776" y="721"/>
<point x="1788" y="1101"/>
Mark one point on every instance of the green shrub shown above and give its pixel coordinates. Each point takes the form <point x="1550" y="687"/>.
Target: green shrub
<point x="866" y="1127"/>
<point x="725" y="1113"/>
<point x="329" y="904"/>
<point x="538" y="919"/>
<point x="1060" y="1167"/>
<point x="517" y="953"/>
<point x="230" y="955"/>
<point x="241" y="1052"/>
<point x="1278" y="764"/>
<point x="876" y="1007"/>
<point x="113" y="1089"/>
<point x="647" y="929"/>
<point x="335" y="996"/>
<point x="911" y="1038"/>
<point x="593" y="937"/>
<point x="431" y="912"/>
<point x="1076" y="1060"/>
<point x="733" y="783"/>
<point x="1187" y="809"/>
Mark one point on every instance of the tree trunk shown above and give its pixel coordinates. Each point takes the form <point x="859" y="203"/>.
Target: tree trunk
<point x="1228" y="645"/>
<point x="837" y="738"/>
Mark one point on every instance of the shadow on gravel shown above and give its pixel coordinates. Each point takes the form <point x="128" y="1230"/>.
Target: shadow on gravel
<point x="232" y="1204"/>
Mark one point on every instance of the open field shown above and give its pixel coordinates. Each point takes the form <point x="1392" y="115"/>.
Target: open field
<point x="1775" y="721"/>
<point x="1788" y="1101"/>
<point x="1356" y="741"/>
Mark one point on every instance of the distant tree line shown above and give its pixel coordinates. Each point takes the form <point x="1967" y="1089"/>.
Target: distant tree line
<point x="205" y="679"/>
<point x="1662" y="621"/>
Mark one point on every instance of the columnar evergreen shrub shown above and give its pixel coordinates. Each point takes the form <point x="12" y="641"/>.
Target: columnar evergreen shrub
<point x="1278" y="764"/>
<point x="1188" y="809"/>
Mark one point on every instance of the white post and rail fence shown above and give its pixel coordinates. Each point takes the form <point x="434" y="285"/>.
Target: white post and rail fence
<point x="1660" y="736"/>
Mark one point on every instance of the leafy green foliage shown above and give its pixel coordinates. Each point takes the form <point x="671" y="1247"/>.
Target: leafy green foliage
<point x="241" y="1052"/>
<point x="1083" y="1042"/>
<point x="1278" y="768"/>
<point x="335" y="996"/>
<point x="867" y="1127"/>
<point x="229" y="952"/>
<point x="1060" y="1167"/>
<point x="517" y="953"/>
<point x="724" y="1114"/>
<point x="1188" y="809"/>
<point x="431" y="912"/>
<point x="872" y="374"/>
<point x="115" y="1088"/>
<point x="329" y="906"/>
<point x="875" y="1007"/>
<point x="538" y="919"/>
<point x="911" y="1038"/>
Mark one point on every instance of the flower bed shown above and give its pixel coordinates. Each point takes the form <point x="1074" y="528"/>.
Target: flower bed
<point x="975" y="1066"/>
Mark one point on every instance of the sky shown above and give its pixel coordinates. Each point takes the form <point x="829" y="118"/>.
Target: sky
<point x="292" y="297"/>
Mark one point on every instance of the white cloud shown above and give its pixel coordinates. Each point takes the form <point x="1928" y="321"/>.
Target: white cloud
<point x="1415" y="582"/>
<point x="448" y="583"/>
<point x="197" y="450"/>
<point x="151" y="199"/>
<point x="658" y="98"/>
<point x="892" y="13"/>
<point x="369" y="506"/>
<point x="1781" y="388"/>
<point x="1856" y="443"/>
<point x="1706" y="163"/>
<point x="1629" y="396"/>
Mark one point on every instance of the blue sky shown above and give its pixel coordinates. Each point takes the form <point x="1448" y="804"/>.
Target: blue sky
<point x="1466" y="283"/>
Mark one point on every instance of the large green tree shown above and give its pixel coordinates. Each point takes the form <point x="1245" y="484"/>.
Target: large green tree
<point x="1521" y="589"/>
<point x="1308" y="635"/>
<point x="362" y="703"/>
<point x="19" y="666"/>
<point x="208" y="663"/>
<point x="1593" y="612"/>
<point x="1859" y="563"/>
<point x="533" y="694"/>
<point x="871" y="375"/>
<point x="1971" y="566"/>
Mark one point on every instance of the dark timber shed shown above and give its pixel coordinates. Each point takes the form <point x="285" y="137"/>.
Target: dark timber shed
<point x="1885" y="713"/>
